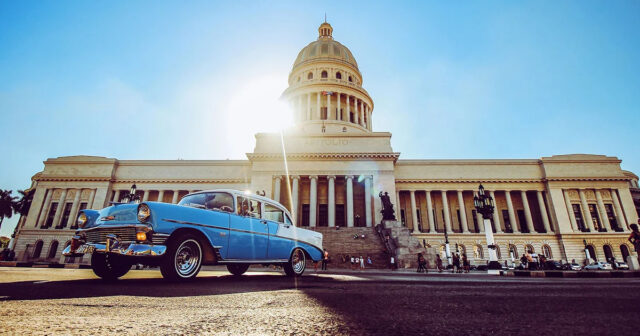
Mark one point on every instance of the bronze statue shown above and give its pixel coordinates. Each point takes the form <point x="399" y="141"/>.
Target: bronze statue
<point x="387" y="208"/>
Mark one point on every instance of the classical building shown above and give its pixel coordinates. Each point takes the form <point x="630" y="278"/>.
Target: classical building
<point x="331" y="166"/>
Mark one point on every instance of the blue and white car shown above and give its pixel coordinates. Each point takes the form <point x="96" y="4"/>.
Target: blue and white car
<point x="227" y="227"/>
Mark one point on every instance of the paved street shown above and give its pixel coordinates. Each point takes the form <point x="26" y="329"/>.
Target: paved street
<point x="67" y="301"/>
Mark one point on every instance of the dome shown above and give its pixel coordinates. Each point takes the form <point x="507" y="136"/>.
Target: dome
<point x="325" y="49"/>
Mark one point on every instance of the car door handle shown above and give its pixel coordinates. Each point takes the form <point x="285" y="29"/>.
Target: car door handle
<point x="263" y="221"/>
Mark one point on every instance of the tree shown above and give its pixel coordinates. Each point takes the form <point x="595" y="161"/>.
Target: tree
<point x="7" y="204"/>
<point x="22" y="206"/>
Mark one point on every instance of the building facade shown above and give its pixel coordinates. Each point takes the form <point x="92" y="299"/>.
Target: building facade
<point x="331" y="166"/>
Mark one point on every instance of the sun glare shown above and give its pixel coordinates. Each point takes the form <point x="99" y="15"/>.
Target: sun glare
<point x="256" y="106"/>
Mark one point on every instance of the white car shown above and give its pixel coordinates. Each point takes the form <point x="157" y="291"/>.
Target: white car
<point x="600" y="265"/>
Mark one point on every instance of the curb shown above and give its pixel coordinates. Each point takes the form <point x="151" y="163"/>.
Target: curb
<point x="574" y="274"/>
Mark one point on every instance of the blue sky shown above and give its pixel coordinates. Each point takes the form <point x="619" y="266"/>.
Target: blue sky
<point x="165" y="80"/>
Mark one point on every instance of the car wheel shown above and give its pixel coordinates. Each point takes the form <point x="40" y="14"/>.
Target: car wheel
<point x="237" y="269"/>
<point x="183" y="258"/>
<point x="109" y="266"/>
<point x="297" y="263"/>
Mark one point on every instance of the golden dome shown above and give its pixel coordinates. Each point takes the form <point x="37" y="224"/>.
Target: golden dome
<point x="325" y="49"/>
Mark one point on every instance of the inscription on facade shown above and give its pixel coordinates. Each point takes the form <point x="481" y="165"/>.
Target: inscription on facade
<point x="326" y="142"/>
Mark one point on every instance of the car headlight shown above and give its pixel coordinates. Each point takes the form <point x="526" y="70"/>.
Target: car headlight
<point x="143" y="213"/>
<point x="82" y="220"/>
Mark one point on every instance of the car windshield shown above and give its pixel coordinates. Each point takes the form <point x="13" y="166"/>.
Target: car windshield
<point x="210" y="201"/>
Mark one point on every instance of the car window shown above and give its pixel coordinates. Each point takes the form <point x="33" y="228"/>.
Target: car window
<point x="211" y="201"/>
<point x="248" y="207"/>
<point x="287" y="220"/>
<point x="272" y="213"/>
<point x="194" y="201"/>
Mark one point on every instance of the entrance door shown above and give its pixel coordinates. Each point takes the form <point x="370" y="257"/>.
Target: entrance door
<point x="340" y="215"/>
<point x="323" y="215"/>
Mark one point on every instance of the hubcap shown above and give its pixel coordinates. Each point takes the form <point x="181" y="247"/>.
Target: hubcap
<point x="298" y="261"/>
<point x="187" y="257"/>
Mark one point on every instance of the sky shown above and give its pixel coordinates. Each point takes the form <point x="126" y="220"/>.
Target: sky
<point x="197" y="80"/>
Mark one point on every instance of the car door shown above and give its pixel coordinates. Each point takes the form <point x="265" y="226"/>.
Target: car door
<point x="279" y="225"/>
<point x="249" y="233"/>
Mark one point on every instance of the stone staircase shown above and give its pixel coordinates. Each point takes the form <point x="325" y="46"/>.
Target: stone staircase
<point x="341" y="243"/>
<point x="408" y="247"/>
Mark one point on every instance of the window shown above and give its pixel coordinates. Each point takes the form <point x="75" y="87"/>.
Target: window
<point x="578" y="214"/>
<point x="338" y="75"/>
<point x="592" y="252"/>
<point x="323" y="113"/>
<point x="612" y="217"/>
<point x="37" y="250"/>
<point x="419" y="218"/>
<point x="529" y="248"/>
<point x="51" y="215"/>
<point x="498" y="254"/>
<point x="53" y="249"/>
<point x="506" y="221"/>
<point x="209" y="201"/>
<point x="402" y="217"/>
<point x="310" y="75"/>
<point x="608" y="253"/>
<point x="65" y="215"/>
<point x="287" y="220"/>
<point x="546" y="251"/>
<point x="521" y="219"/>
<point x="595" y="217"/>
<point x="273" y="213"/>
<point x="624" y="250"/>
<point x="248" y="207"/>
<point x="477" y="252"/>
<point x="324" y="74"/>
<point x="513" y="252"/>
<point x="350" y="79"/>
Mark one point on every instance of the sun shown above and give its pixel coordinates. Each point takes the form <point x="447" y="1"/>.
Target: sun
<point x="256" y="106"/>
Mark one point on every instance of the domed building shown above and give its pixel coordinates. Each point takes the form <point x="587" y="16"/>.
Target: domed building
<point x="331" y="169"/>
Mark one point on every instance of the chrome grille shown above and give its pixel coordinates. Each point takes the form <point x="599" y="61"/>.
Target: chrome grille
<point x="125" y="234"/>
<point x="158" y="240"/>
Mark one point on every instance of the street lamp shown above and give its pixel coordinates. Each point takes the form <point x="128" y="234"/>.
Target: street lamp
<point x="484" y="205"/>
<point x="132" y="197"/>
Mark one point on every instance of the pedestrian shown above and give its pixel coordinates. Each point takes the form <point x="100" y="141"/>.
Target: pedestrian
<point x="456" y="263"/>
<point x="420" y="259"/>
<point x="530" y="261"/>
<point x="353" y="262"/>
<point x="465" y="263"/>
<point x="369" y="261"/>
<point x="393" y="263"/>
<point x="361" y="262"/>
<point x="634" y="238"/>
<point x="325" y="259"/>
<point x="439" y="263"/>
<point x="523" y="261"/>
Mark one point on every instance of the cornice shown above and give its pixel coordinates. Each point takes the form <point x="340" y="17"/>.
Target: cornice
<point x="158" y="180"/>
<point x="323" y="156"/>
<point x="465" y="162"/>
<point x="476" y="180"/>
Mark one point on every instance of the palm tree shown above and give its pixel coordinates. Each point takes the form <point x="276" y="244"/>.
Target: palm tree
<point x="22" y="206"/>
<point x="7" y="204"/>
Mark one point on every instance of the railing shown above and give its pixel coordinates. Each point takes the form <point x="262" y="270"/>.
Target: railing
<point x="387" y="240"/>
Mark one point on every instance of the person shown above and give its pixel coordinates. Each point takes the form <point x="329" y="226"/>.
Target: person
<point x="420" y="260"/>
<point x="523" y="261"/>
<point x="361" y="262"/>
<point x="439" y="263"/>
<point x="456" y="263"/>
<point x="353" y="262"/>
<point x="393" y="263"/>
<point x="634" y="238"/>
<point x="325" y="259"/>
<point x="543" y="261"/>
<point x="530" y="261"/>
<point x="465" y="263"/>
<point x="369" y="261"/>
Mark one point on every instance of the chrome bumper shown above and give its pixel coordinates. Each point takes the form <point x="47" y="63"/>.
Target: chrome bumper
<point x="128" y="249"/>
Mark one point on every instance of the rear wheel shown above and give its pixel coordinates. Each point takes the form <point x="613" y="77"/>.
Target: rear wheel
<point x="297" y="263"/>
<point x="183" y="258"/>
<point x="237" y="269"/>
<point x="109" y="266"/>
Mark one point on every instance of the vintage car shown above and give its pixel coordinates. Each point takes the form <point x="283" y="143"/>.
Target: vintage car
<point x="227" y="227"/>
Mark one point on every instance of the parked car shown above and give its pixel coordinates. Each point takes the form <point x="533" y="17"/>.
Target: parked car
<point x="620" y="265"/>
<point x="600" y="265"/>
<point x="571" y="267"/>
<point x="553" y="265"/>
<point x="225" y="227"/>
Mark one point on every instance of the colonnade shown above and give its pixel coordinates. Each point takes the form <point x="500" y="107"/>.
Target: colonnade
<point x="323" y="99"/>
<point x="61" y="204"/>
<point x="331" y="198"/>
<point x="607" y="217"/>
<point x="119" y="194"/>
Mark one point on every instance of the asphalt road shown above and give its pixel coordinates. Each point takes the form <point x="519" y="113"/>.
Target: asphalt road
<point x="66" y="301"/>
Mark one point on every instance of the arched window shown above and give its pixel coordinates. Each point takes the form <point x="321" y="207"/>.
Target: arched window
<point x="324" y="74"/>
<point x="513" y="252"/>
<point x="310" y="75"/>
<point x="624" y="250"/>
<point x="477" y="252"/>
<point x="592" y="252"/>
<point x="350" y="79"/>
<point x="338" y="75"/>
<point x="608" y="253"/>
<point x="37" y="250"/>
<point x="546" y="250"/>
<point x="498" y="252"/>
<point x="53" y="249"/>
<point x="529" y="248"/>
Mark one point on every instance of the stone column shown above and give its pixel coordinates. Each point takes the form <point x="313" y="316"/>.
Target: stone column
<point x="174" y="200"/>
<point x="92" y="196"/>
<point x="447" y="214"/>
<point x="602" y="211"/>
<point x="543" y="212"/>
<point x="586" y="214"/>
<point x="370" y="122"/>
<point x="116" y="195"/>
<point x="616" y="206"/>
<point x="357" y="112"/>
<point x="294" y="197"/>
<point x="572" y="216"/>
<point x="349" y="181"/>
<point x="348" y="111"/>
<point x="309" y="106"/>
<point x="362" y="114"/>
<point x="512" y="213"/>
<point x="463" y="213"/>
<point x="480" y="221"/>
<point x="338" y="116"/>
<point x="527" y="211"/>
<point x="74" y="209"/>
<point x="160" y="195"/>
<point x="496" y="213"/>
<point x="60" y="210"/>
<point x="145" y="196"/>
<point x="276" y="189"/>
<point x="45" y="208"/>
<point x="313" y="199"/>
<point x="329" y="113"/>
<point x="331" y="191"/>
<point x="414" y="212"/>
<point x="367" y="201"/>
<point x="319" y="114"/>
<point x="432" y="225"/>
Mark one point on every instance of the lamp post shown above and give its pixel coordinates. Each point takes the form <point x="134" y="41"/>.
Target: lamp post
<point x="447" y="248"/>
<point x="132" y="197"/>
<point x="484" y="205"/>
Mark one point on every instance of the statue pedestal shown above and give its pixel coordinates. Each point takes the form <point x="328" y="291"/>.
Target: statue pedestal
<point x="388" y="224"/>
